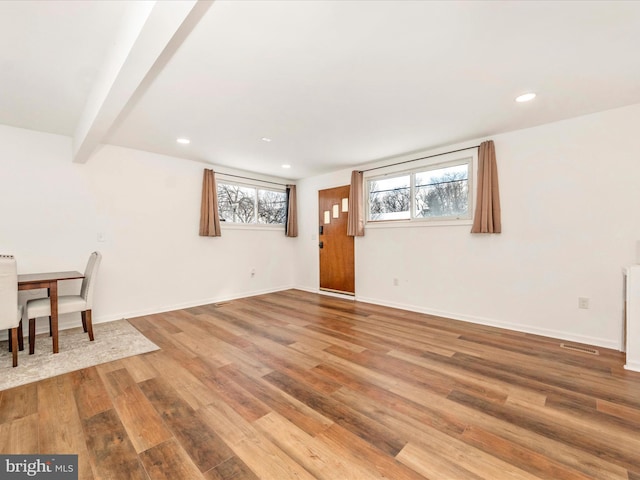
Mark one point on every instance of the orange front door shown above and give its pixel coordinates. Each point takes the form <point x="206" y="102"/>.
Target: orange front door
<point x="337" y="266"/>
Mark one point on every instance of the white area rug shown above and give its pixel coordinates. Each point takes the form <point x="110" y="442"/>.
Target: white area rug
<point x="113" y="341"/>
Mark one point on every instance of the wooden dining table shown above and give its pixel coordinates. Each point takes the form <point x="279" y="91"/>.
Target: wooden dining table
<point x="48" y="280"/>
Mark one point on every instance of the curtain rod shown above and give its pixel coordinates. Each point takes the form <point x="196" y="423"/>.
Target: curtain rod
<point x="421" y="158"/>
<point x="252" y="179"/>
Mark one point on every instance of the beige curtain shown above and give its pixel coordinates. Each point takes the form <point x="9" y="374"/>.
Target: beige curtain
<point x="355" y="217"/>
<point x="487" y="215"/>
<point x="291" y="223"/>
<point x="209" y="215"/>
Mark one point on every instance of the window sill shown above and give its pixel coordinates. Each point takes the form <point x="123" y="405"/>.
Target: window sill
<point x="418" y="223"/>
<point x="251" y="226"/>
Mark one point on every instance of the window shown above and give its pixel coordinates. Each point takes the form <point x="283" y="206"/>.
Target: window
<point x="442" y="192"/>
<point x="249" y="204"/>
<point x="272" y="206"/>
<point x="432" y="192"/>
<point x="390" y="198"/>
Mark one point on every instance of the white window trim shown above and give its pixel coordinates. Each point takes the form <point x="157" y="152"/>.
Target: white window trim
<point x="252" y="226"/>
<point x="418" y="166"/>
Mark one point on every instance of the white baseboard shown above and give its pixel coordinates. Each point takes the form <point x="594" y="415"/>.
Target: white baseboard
<point x="307" y="289"/>
<point x="561" y="335"/>
<point x="73" y="320"/>
<point x="70" y="320"/>
<point x="632" y="366"/>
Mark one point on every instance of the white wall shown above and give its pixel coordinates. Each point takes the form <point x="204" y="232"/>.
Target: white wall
<point x="570" y="201"/>
<point x="147" y="206"/>
<point x="570" y="194"/>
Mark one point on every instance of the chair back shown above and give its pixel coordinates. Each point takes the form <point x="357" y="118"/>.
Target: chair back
<point x="89" y="281"/>
<point x="8" y="292"/>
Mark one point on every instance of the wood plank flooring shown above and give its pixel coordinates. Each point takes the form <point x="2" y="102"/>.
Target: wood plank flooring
<point x="294" y="385"/>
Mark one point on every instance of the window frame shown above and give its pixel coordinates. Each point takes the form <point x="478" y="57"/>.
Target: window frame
<point x="469" y="157"/>
<point x="256" y="186"/>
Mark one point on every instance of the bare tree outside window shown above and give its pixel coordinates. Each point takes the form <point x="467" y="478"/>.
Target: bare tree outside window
<point x="272" y="206"/>
<point x="236" y="203"/>
<point x="245" y="204"/>
<point x="389" y="198"/>
<point x="439" y="192"/>
<point x="442" y="193"/>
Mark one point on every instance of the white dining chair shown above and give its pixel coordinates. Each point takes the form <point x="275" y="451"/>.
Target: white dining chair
<point x="83" y="303"/>
<point x="10" y="311"/>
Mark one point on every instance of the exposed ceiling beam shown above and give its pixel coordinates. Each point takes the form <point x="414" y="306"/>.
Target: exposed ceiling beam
<point x="151" y="32"/>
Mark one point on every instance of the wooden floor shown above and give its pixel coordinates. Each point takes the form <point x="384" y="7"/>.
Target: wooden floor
<point x="294" y="385"/>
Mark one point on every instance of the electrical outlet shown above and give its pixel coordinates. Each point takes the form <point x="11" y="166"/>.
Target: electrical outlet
<point x="395" y="282"/>
<point x="583" y="302"/>
<point x="253" y="272"/>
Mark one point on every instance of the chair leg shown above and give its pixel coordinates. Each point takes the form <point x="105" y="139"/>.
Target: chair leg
<point x="20" y="337"/>
<point x="32" y="335"/>
<point x="14" y="339"/>
<point x="86" y="321"/>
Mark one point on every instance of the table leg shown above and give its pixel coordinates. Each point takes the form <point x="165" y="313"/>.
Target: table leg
<point x="53" y="296"/>
<point x="49" y="295"/>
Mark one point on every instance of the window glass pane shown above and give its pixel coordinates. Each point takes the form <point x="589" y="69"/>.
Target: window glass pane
<point x="271" y="206"/>
<point x="443" y="192"/>
<point x="389" y="198"/>
<point x="236" y="203"/>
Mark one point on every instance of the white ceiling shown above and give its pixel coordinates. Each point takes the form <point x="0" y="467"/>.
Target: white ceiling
<point x="332" y="83"/>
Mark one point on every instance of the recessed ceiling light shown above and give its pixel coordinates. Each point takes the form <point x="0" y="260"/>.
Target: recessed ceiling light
<point x="286" y="166"/>
<point x="526" y="97"/>
<point x="184" y="141"/>
<point x="265" y="139"/>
